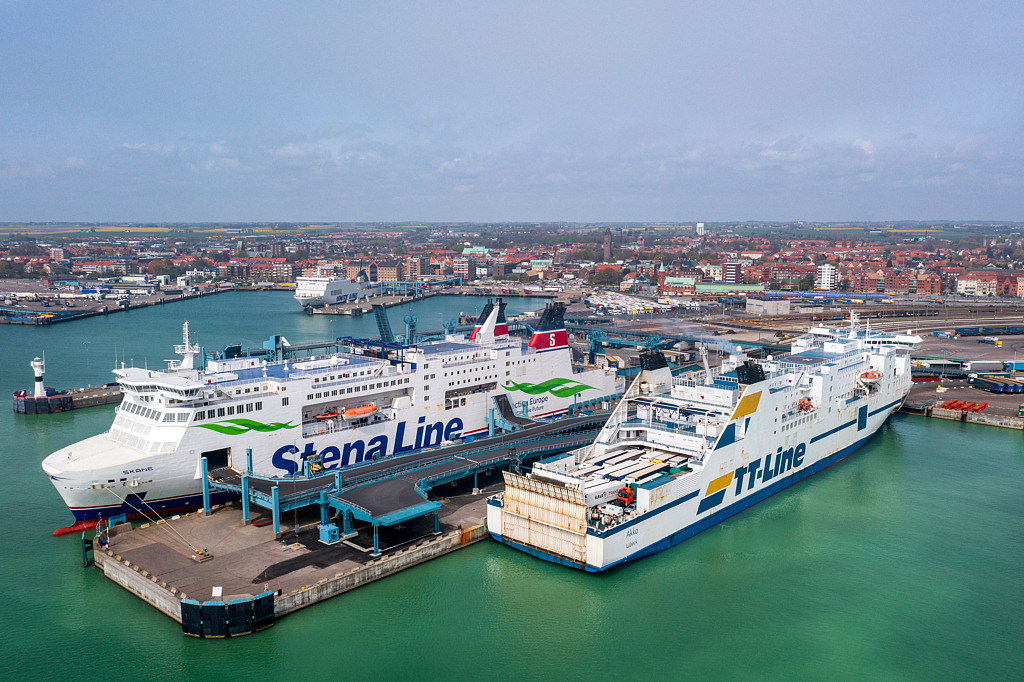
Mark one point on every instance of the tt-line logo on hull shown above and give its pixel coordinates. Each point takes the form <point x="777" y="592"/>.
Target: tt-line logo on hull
<point x="762" y="470"/>
<point x="356" y="451"/>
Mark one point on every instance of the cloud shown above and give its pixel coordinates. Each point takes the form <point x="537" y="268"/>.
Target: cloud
<point x="26" y="170"/>
<point x="865" y="146"/>
<point x="219" y="148"/>
<point x="163" y="149"/>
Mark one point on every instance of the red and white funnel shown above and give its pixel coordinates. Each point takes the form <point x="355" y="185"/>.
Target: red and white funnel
<point x="550" y="332"/>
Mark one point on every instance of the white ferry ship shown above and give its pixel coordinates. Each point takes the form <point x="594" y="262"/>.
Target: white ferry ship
<point x="872" y="338"/>
<point x="369" y="402"/>
<point x="316" y="292"/>
<point x="679" y="455"/>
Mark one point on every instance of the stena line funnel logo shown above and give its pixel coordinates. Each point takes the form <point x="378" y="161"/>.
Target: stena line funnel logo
<point x="550" y="331"/>
<point x="549" y="340"/>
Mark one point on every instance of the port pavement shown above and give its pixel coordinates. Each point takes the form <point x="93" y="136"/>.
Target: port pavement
<point x="159" y="563"/>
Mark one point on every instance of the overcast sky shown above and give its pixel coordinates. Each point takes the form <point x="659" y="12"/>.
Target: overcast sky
<point x="485" y="111"/>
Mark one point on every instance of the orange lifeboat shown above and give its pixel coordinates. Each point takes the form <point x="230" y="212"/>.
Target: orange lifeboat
<point x="804" y="405"/>
<point x="326" y="415"/>
<point x="870" y="377"/>
<point x="358" y="412"/>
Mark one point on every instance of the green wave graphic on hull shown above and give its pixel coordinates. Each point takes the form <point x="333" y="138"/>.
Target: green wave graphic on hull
<point x="558" y="387"/>
<point x="236" y="427"/>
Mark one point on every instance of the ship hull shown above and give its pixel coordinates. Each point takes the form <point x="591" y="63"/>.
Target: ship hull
<point x="172" y="482"/>
<point x="682" y="519"/>
<point x="245" y="413"/>
<point x="148" y="509"/>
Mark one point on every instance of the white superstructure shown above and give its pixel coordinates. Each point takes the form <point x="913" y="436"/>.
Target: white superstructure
<point x="315" y="292"/>
<point x="363" y="402"/>
<point x="872" y="338"/>
<point x="679" y="455"/>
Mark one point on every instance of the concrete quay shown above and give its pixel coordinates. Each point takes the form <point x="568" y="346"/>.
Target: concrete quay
<point x="1001" y="411"/>
<point x="365" y="305"/>
<point x="161" y="562"/>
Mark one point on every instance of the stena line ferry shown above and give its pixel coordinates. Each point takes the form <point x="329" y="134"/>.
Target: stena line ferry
<point x="680" y="454"/>
<point x="366" y="402"/>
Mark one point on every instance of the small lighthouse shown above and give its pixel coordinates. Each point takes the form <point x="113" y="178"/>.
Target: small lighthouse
<point x="38" y="366"/>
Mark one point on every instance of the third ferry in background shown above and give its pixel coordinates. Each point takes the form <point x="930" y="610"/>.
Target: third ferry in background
<point x="366" y="401"/>
<point x="316" y="292"/>
<point x="680" y="454"/>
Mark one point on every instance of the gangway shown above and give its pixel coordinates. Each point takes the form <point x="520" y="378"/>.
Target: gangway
<point x="380" y="314"/>
<point x="394" y="490"/>
<point x="504" y="416"/>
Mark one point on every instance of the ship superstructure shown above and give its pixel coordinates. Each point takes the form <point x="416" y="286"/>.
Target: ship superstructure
<point x="680" y="454"/>
<point x="365" y="402"/>
<point x="872" y="338"/>
<point x="328" y="289"/>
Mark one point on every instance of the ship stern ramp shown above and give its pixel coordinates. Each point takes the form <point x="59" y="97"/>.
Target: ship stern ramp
<point x="542" y="518"/>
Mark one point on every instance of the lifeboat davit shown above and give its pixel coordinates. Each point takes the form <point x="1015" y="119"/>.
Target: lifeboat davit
<point x="870" y="377"/>
<point x="358" y="412"/>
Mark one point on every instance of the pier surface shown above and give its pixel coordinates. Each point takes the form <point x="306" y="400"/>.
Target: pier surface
<point x="157" y="561"/>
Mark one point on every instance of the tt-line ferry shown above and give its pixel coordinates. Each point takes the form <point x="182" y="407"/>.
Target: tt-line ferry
<point x="365" y="402"/>
<point x="679" y="455"/>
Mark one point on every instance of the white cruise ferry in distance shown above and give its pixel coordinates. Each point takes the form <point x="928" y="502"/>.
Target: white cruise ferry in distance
<point x="679" y="455"/>
<point x="316" y="292"/>
<point x="366" y="402"/>
<point x="872" y="338"/>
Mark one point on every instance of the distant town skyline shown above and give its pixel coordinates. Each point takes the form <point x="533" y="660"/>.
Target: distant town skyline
<point x="570" y="111"/>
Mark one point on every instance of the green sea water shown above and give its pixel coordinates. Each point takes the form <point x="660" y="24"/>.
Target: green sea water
<point x="903" y="562"/>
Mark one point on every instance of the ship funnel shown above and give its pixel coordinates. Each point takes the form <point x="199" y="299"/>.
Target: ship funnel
<point x="500" y="324"/>
<point x="493" y="326"/>
<point x="480" y="320"/>
<point x="655" y="372"/>
<point x="550" y="331"/>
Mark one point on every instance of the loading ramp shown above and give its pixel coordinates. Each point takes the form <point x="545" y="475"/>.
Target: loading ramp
<point x="394" y="490"/>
